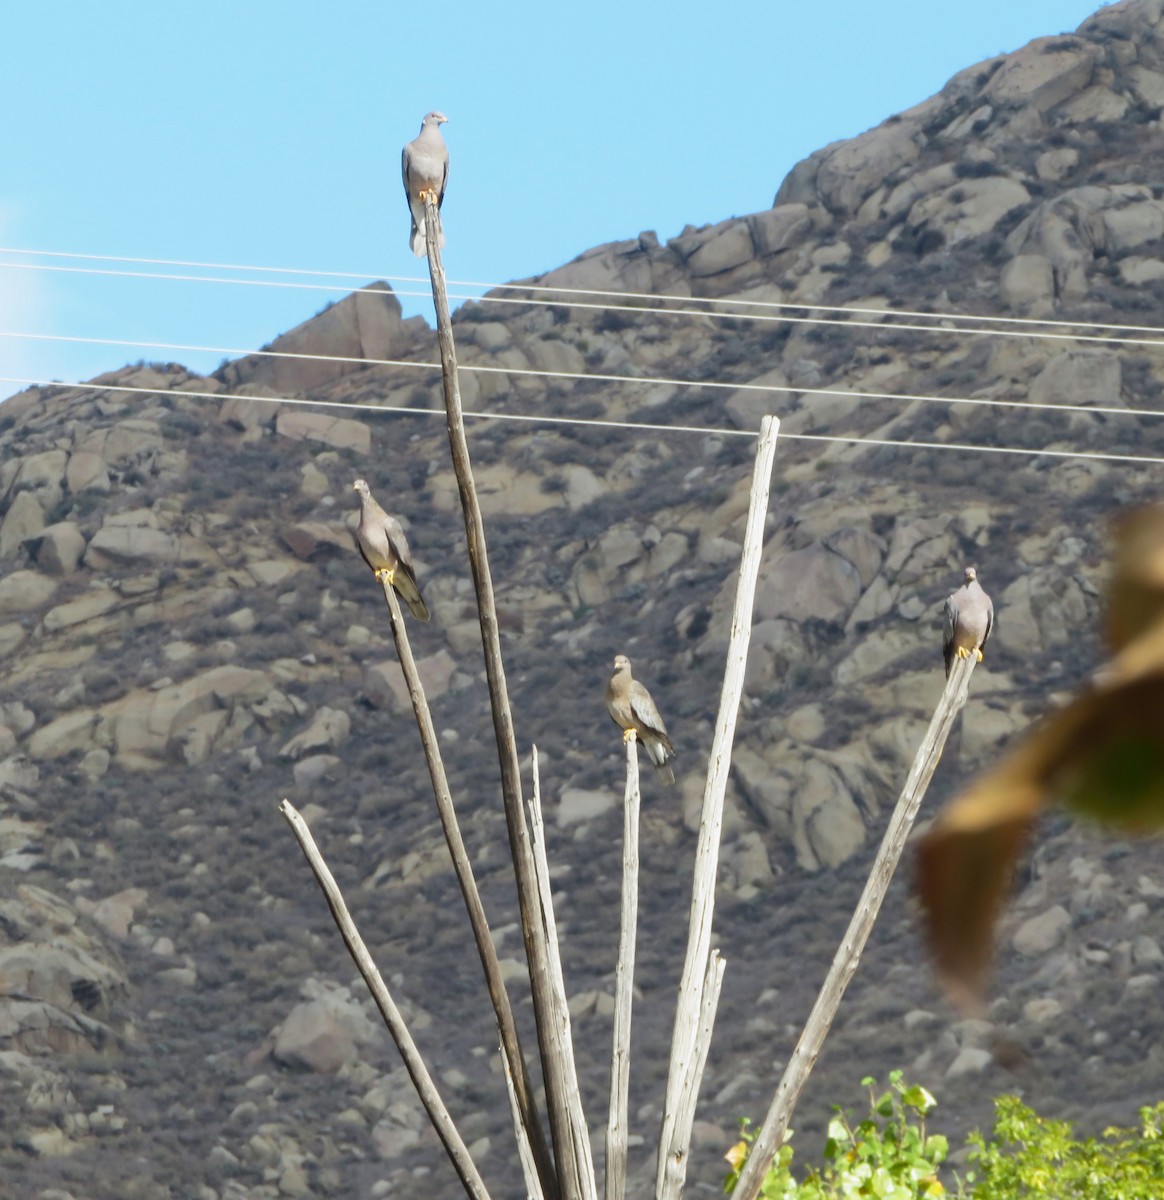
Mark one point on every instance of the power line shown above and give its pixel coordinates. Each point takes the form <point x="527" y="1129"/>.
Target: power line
<point x="599" y="377"/>
<point x="639" y="426"/>
<point x="615" y="294"/>
<point x="884" y="324"/>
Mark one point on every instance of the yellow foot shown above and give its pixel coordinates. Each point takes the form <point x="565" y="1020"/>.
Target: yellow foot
<point x="962" y="652"/>
<point x="424" y="194"/>
<point x="386" y="574"/>
<point x="627" y="734"/>
<point x="978" y="655"/>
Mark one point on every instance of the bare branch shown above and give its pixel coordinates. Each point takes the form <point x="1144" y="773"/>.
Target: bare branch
<point x="510" y="1042"/>
<point x="848" y="955"/>
<point x="426" y="1089"/>
<point x="529" y="1169"/>
<point x="564" y="1042"/>
<point x="537" y="956"/>
<point x="671" y="1168"/>
<point x="617" y="1122"/>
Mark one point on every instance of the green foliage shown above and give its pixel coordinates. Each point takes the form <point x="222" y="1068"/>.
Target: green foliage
<point x="1032" y="1156"/>
<point x="889" y="1156"/>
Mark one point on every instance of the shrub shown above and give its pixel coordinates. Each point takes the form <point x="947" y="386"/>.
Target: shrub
<point x="890" y="1156"/>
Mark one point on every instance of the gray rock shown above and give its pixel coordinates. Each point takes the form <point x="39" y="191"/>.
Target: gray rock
<point x="1039" y="934"/>
<point x="576" y="805"/>
<point x="809" y="584"/>
<point x="57" y="550"/>
<point x="25" y="591"/>
<point x="329" y="728"/>
<point x="779" y="228"/>
<point x="24" y="518"/>
<point x="1028" y="283"/>
<point x="341" y="432"/>
<point x="120" y="545"/>
<point x="972" y="1060"/>
<point x="1146" y="951"/>
<point x="1042" y="74"/>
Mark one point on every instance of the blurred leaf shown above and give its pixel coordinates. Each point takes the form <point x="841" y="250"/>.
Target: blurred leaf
<point x="1136" y="600"/>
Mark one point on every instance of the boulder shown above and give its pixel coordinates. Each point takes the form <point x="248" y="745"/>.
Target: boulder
<point x="24" y="518"/>
<point x="384" y="684"/>
<point x="1027" y="283"/>
<point x="1039" y="934"/>
<point x="967" y="209"/>
<point x="329" y="728"/>
<point x="341" y="432"/>
<point x="43" y="475"/>
<point x="779" y="228"/>
<point x="57" y="549"/>
<point x="1080" y="377"/>
<point x="316" y="541"/>
<point x="365" y="325"/>
<point x="122" y="545"/>
<point x="86" y="472"/>
<point x="850" y="170"/>
<point x="1042" y="74"/>
<point x="323" y="1032"/>
<point x="25" y="591"/>
<point x="809" y="584"/>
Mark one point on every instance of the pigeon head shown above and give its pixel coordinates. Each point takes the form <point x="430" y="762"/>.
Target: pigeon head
<point x="970" y="575"/>
<point x="361" y="487"/>
<point x="621" y="662"/>
<point x="433" y="118"/>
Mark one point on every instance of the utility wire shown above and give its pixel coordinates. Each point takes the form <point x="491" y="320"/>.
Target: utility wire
<point x="638" y="426"/>
<point x="598" y="377"/>
<point x="884" y="324"/>
<point x="626" y="295"/>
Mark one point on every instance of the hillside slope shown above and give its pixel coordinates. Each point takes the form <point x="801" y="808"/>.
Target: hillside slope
<point x="187" y="635"/>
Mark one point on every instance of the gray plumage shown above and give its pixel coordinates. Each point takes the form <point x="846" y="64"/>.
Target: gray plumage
<point x="385" y="549"/>
<point x="969" y="621"/>
<point x="424" y="164"/>
<point x="631" y="707"/>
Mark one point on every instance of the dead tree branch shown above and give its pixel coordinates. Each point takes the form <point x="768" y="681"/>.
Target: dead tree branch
<point x="848" y="955"/>
<point x="510" y="1042"/>
<point x="579" y="1133"/>
<point x="426" y="1089"/>
<point x="617" y="1125"/>
<point x="537" y="955"/>
<point x="694" y="997"/>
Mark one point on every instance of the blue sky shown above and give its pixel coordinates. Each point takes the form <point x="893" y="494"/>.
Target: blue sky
<point x="264" y="133"/>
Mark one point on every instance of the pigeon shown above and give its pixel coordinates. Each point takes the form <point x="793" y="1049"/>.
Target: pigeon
<point x="385" y="549"/>
<point x="969" y="621"/>
<point x="424" y="165"/>
<point x="633" y="711"/>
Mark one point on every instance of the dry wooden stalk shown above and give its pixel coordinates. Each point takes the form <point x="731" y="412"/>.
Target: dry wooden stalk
<point x="529" y="1168"/>
<point x="848" y="955"/>
<point x="510" y="1042"/>
<point x="552" y="1053"/>
<point x="691" y="1010"/>
<point x="617" y="1126"/>
<point x="579" y="1133"/>
<point x="426" y="1089"/>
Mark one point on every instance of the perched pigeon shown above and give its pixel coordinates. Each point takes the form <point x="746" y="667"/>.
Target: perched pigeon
<point x="633" y="711"/>
<point x="969" y="620"/>
<point x="385" y="550"/>
<point x="425" y="167"/>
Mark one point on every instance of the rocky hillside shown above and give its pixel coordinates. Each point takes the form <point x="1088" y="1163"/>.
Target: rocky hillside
<point x="187" y="635"/>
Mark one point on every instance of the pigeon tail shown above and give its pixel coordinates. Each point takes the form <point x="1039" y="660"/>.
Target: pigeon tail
<point x="419" y="239"/>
